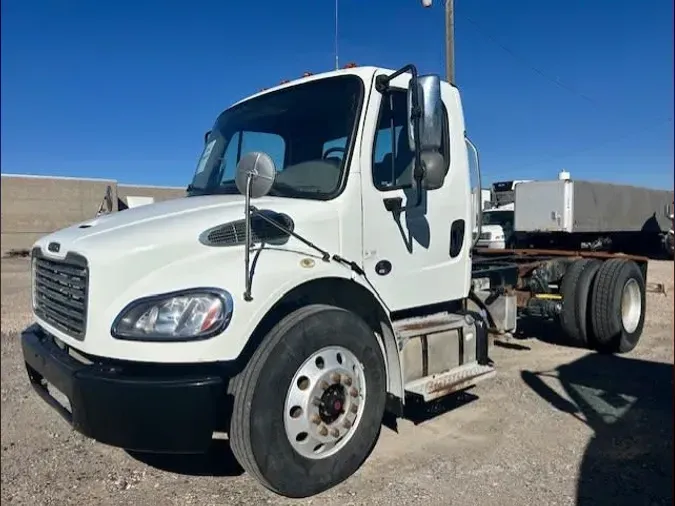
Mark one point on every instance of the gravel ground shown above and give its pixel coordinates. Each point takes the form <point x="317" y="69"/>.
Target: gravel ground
<point x="591" y="430"/>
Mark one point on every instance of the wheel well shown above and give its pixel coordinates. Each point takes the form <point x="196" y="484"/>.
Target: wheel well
<point x="346" y="294"/>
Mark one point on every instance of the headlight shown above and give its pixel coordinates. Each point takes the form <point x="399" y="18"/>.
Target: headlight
<point x="188" y="315"/>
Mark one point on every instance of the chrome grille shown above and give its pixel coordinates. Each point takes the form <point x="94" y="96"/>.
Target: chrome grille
<point x="486" y="236"/>
<point x="60" y="289"/>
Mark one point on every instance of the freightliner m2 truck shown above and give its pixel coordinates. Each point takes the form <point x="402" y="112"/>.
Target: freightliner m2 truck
<point x="320" y="272"/>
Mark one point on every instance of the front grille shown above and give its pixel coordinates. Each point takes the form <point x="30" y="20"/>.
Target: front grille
<point x="486" y="236"/>
<point x="60" y="289"/>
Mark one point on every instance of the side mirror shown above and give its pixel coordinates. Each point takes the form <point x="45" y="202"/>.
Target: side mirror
<point x="255" y="174"/>
<point x="254" y="177"/>
<point x="430" y="139"/>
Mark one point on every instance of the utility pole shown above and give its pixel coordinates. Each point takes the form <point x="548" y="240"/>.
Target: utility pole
<point x="449" y="37"/>
<point x="337" y="64"/>
<point x="450" y="40"/>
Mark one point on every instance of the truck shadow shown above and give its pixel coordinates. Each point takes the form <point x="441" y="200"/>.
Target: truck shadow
<point x="546" y="331"/>
<point x="629" y="405"/>
<point x="219" y="461"/>
<point x="419" y="412"/>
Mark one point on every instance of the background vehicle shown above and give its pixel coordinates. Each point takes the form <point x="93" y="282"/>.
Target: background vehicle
<point x="483" y="201"/>
<point x="321" y="271"/>
<point x="573" y="215"/>
<point x="669" y="239"/>
<point x="498" y="216"/>
<point x="497" y="229"/>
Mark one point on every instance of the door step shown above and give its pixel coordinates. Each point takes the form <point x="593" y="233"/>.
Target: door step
<point x="440" y="385"/>
<point x="425" y="325"/>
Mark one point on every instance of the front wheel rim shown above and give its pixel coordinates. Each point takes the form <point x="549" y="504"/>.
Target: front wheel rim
<point x="325" y="402"/>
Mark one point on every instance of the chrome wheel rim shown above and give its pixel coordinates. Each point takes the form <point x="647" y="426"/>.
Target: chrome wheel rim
<point x="631" y="306"/>
<point x="324" y="403"/>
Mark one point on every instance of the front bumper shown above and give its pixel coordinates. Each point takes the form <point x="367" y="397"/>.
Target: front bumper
<point x="141" y="407"/>
<point x="491" y="244"/>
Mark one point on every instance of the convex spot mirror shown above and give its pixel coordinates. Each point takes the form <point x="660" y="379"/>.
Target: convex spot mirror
<point x="255" y="174"/>
<point x="431" y="129"/>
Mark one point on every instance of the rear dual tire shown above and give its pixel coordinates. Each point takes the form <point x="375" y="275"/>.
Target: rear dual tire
<point x="618" y="306"/>
<point x="603" y="304"/>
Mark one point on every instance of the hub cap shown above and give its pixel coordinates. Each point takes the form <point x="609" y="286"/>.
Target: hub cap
<point x="631" y="306"/>
<point x="324" y="402"/>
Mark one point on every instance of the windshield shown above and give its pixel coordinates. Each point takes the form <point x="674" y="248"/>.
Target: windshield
<point x="306" y="129"/>
<point x="502" y="218"/>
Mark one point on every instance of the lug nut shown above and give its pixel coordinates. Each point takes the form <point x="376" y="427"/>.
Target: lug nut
<point x="323" y="431"/>
<point x="316" y="401"/>
<point x="354" y="408"/>
<point x="335" y="377"/>
<point x="353" y="392"/>
<point x="347" y="380"/>
<point x="335" y="433"/>
<point x="323" y="385"/>
<point x="347" y="424"/>
<point x="316" y="419"/>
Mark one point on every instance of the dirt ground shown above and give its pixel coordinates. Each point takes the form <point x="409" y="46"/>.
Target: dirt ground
<point x="557" y="426"/>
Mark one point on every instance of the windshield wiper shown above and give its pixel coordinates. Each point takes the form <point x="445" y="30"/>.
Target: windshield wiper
<point x="324" y="254"/>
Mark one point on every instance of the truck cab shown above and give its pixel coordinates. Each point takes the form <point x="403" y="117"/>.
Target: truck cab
<point x="498" y="217"/>
<point x="318" y="272"/>
<point x="497" y="228"/>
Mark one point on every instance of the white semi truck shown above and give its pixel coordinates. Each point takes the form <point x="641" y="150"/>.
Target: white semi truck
<point x="498" y="216"/>
<point x="319" y="273"/>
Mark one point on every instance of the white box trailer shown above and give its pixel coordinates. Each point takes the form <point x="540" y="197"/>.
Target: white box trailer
<point x="575" y="214"/>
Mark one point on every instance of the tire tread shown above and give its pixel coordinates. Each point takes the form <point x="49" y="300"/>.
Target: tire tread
<point x="243" y="386"/>
<point x="570" y="317"/>
<point x="602" y="294"/>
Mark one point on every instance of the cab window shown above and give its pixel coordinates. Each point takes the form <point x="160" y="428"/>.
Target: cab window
<point x="392" y="156"/>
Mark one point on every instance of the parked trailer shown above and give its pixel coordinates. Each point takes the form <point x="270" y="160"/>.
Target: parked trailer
<point x="292" y="309"/>
<point x="573" y="215"/>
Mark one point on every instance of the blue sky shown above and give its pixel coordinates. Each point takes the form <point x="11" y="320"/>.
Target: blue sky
<point x="125" y="89"/>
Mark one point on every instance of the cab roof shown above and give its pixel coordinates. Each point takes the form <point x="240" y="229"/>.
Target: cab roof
<point x="364" y="73"/>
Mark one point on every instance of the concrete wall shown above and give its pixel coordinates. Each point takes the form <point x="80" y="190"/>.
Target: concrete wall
<point x="33" y="206"/>
<point x="156" y="192"/>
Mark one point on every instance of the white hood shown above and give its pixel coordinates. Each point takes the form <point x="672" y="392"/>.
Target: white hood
<point x="155" y="249"/>
<point x="170" y="222"/>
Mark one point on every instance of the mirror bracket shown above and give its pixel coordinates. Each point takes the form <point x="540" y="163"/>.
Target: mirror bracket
<point x="382" y="85"/>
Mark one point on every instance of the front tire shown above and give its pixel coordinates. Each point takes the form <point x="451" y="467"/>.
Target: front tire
<point x="308" y="406"/>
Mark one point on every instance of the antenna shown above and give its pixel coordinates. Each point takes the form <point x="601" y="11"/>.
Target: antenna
<point x="337" y="65"/>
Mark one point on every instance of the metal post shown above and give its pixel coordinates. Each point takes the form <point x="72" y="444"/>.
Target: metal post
<point x="450" y="40"/>
<point x="449" y="37"/>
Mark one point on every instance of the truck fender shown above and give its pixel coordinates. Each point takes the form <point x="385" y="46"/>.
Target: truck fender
<point x="349" y="294"/>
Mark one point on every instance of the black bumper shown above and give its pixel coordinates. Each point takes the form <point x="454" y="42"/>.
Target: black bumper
<point x="147" y="408"/>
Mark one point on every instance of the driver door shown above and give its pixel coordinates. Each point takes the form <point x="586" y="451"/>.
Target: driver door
<point x="421" y="256"/>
